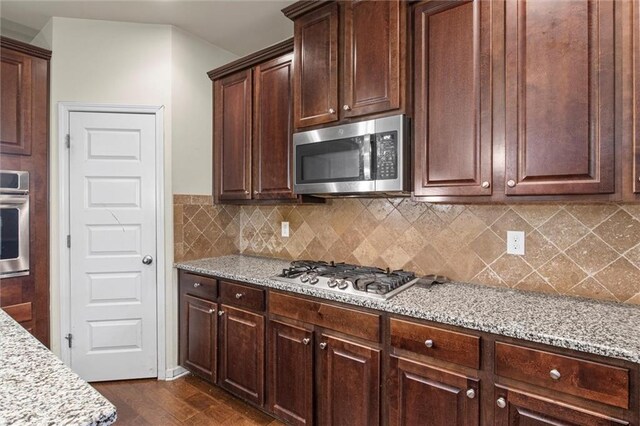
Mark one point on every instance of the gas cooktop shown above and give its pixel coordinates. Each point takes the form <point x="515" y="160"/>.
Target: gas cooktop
<point x="349" y="279"/>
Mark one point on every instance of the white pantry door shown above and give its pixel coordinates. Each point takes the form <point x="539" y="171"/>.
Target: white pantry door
<point x="112" y="197"/>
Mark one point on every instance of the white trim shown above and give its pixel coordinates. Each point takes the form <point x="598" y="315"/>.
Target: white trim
<point x="174" y="373"/>
<point x="64" y="109"/>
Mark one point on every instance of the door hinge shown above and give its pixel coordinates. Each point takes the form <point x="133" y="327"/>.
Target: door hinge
<point x="68" y="141"/>
<point x="69" y="337"/>
<point x="69" y="241"/>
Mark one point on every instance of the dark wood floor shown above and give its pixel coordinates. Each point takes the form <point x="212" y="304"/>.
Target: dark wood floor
<point x="184" y="401"/>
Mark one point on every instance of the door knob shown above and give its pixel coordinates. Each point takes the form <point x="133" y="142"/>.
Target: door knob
<point x="555" y="374"/>
<point x="306" y="341"/>
<point x="323" y="345"/>
<point x="486" y="184"/>
<point x="511" y="183"/>
<point x="346" y="107"/>
<point x="501" y="402"/>
<point x="147" y="260"/>
<point x="428" y="343"/>
<point x="471" y="393"/>
<point x="332" y="111"/>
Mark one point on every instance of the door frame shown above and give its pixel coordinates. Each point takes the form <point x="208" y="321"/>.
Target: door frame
<point x="64" y="111"/>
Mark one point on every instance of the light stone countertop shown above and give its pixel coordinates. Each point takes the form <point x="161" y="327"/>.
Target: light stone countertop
<point x="601" y="328"/>
<point x="36" y="388"/>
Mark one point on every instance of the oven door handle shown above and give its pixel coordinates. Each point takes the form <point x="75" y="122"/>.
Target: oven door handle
<point x="366" y="157"/>
<point x="12" y="199"/>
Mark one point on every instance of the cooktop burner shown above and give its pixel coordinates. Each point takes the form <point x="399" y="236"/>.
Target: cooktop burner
<point x="345" y="278"/>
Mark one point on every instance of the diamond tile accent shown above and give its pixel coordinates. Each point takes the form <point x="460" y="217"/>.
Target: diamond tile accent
<point x="563" y="230"/>
<point x="621" y="231"/>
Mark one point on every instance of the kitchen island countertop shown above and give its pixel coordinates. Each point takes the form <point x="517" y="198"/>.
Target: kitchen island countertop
<point x="601" y="328"/>
<point x="36" y="388"/>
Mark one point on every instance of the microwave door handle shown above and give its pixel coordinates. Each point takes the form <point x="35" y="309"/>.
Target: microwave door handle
<point x="366" y="157"/>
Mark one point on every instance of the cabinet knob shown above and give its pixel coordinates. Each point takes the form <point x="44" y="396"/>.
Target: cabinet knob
<point x="428" y="343"/>
<point x="332" y="111"/>
<point x="511" y="183"/>
<point x="501" y="402"/>
<point x="486" y="184"/>
<point x="196" y="285"/>
<point x="211" y="311"/>
<point x="555" y="374"/>
<point x="323" y="345"/>
<point x="346" y="107"/>
<point x="306" y="341"/>
<point x="255" y="192"/>
<point x="471" y="393"/>
<point x="239" y="295"/>
<point x="638" y="178"/>
<point x="220" y="313"/>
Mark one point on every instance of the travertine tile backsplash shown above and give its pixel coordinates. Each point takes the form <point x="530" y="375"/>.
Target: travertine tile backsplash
<point x="588" y="250"/>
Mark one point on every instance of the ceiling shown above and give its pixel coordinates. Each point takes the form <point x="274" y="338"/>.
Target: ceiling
<point x="239" y="26"/>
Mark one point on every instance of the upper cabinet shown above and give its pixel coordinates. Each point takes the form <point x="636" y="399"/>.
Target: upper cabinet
<point x="350" y="59"/>
<point x="560" y="97"/>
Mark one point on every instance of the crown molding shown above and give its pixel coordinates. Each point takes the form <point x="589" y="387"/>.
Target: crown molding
<point x="26" y="48"/>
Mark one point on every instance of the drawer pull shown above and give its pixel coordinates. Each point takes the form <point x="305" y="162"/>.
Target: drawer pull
<point x="501" y="402"/>
<point x="428" y="343"/>
<point x="471" y="393"/>
<point x="239" y="295"/>
<point x="306" y="341"/>
<point x="323" y="345"/>
<point x="220" y="313"/>
<point x="555" y="374"/>
<point x="196" y="285"/>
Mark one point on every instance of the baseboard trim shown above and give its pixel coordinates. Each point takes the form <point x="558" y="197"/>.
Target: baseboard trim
<point x="174" y="373"/>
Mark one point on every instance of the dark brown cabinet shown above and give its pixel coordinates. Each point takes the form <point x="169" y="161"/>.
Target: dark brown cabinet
<point x="346" y="368"/>
<point x="517" y="408"/>
<point x="290" y="373"/>
<point x="560" y="97"/>
<point x="636" y="96"/>
<point x="199" y="336"/>
<point x="242" y="353"/>
<point x="15" y="128"/>
<point x="368" y="38"/>
<point x="423" y="395"/>
<point x="452" y="99"/>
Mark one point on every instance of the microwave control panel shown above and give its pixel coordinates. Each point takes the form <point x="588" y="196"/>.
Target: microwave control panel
<point x="387" y="155"/>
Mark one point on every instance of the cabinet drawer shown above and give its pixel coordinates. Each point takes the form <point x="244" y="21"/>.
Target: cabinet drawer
<point x="198" y="285"/>
<point x="574" y="376"/>
<point x="447" y="345"/>
<point x="345" y="320"/>
<point x="242" y="295"/>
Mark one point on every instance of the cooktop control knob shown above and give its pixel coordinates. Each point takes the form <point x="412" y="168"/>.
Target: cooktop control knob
<point x="304" y="277"/>
<point x="313" y="278"/>
<point x="332" y="282"/>
<point x="344" y="284"/>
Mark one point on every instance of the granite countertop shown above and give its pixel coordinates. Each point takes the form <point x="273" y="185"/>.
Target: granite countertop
<point x="36" y="388"/>
<point x="601" y="328"/>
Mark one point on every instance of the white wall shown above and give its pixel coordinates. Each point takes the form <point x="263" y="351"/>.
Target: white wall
<point x="135" y="64"/>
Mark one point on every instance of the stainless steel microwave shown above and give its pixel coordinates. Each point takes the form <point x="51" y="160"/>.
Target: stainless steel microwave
<point x="356" y="158"/>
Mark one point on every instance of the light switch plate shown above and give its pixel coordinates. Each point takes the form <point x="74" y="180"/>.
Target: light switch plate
<point x="515" y="242"/>
<point x="284" y="229"/>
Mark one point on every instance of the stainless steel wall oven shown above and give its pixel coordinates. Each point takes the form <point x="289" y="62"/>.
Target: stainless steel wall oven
<point x="14" y="223"/>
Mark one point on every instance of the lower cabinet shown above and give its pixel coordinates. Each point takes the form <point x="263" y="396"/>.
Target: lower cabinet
<point x="516" y="408"/>
<point x="241" y="347"/>
<point x="198" y="336"/>
<point x="290" y="375"/>
<point x="423" y="395"/>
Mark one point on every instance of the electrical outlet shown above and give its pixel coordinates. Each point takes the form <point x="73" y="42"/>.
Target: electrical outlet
<point x="515" y="242"/>
<point x="284" y="229"/>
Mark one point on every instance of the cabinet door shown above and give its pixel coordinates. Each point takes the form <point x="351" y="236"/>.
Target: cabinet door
<point x="232" y="137"/>
<point x="523" y="409"/>
<point x="272" y="129"/>
<point x="428" y="396"/>
<point x="453" y="142"/>
<point x="198" y="336"/>
<point x="290" y="375"/>
<point x="316" y="71"/>
<point x="351" y="369"/>
<point x="15" y="124"/>
<point x="373" y="50"/>
<point x="242" y="353"/>
<point x="560" y="97"/>
<point x="636" y="94"/>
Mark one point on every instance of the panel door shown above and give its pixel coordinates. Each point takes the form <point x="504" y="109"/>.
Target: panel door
<point x="316" y="71"/>
<point x="560" y="97"/>
<point x="199" y="336"/>
<point x="272" y="130"/>
<point x="290" y="375"/>
<point x="15" y="124"/>
<point x="349" y="383"/>
<point x="242" y="353"/>
<point x="522" y="409"/>
<point x="422" y="395"/>
<point x="232" y="136"/>
<point x="373" y="51"/>
<point x="112" y="198"/>
<point x="453" y="136"/>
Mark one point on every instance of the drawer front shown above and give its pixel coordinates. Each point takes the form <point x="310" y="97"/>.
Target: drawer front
<point x="574" y="376"/>
<point x="349" y="321"/>
<point x="198" y="285"/>
<point x="447" y="345"/>
<point x="242" y="295"/>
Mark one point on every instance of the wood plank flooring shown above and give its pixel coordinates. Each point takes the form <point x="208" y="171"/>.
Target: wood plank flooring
<point x="188" y="400"/>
